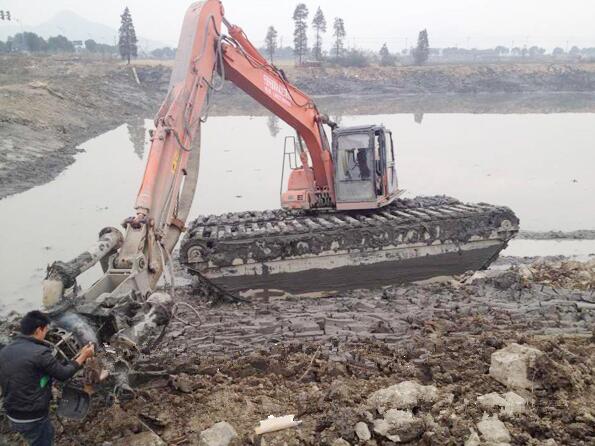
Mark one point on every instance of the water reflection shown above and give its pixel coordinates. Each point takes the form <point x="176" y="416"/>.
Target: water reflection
<point x="337" y="118"/>
<point x="136" y="134"/>
<point x="539" y="165"/>
<point x="273" y="125"/>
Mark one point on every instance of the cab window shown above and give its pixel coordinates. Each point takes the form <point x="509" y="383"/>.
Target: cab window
<point x="355" y="157"/>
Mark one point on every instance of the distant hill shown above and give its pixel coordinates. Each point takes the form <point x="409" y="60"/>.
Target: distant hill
<point x="75" y="27"/>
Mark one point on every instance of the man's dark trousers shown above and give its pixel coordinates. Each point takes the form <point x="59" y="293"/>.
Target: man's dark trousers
<point x="37" y="433"/>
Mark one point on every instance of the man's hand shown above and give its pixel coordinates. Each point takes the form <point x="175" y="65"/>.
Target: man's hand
<point x="86" y="352"/>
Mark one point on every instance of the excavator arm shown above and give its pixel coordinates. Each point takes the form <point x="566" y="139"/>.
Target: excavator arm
<point x="249" y="70"/>
<point x="379" y="241"/>
<point x="133" y="263"/>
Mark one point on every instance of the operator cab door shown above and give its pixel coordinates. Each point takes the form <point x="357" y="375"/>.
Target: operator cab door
<point x="361" y="180"/>
<point x="391" y="168"/>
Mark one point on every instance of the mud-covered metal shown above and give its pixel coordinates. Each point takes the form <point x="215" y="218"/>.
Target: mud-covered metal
<point x="62" y="275"/>
<point x="301" y="252"/>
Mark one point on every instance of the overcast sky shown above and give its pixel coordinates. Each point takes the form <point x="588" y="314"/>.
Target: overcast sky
<point x="369" y="23"/>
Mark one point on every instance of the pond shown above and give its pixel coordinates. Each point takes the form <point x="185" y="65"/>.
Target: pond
<point x="540" y="165"/>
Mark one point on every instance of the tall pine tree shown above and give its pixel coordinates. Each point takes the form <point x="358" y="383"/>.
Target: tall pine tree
<point x="319" y="24"/>
<point x="386" y="58"/>
<point x="422" y="51"/>
<point x="270" y="42"/>
<point x="127" y="36"/>
<point x="300" y="37"/>
<point x="339" y="33"/>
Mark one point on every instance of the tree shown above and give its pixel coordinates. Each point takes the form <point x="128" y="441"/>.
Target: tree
<point x="91" y="45"/>
<point x="319" y="24"/>
<point x="28" y="41"/>
<point x="422" y="51"/>
<point x="300" y="38"/>
<point x="164" y="53"/>
<point x="535" y="51"/>
<point x="558" y="52"/>
<point x="60" y="44"/>
<point x="501" y="50"/>
<point x="103" y="49"/>
<point x="386" y="58"/>
<point x="574" y="51"/>
<point x="339" y="34"/>
<point x="354" y="58"/>
<point x="127" y="41"/>
<point x="270" y="42"/>
<point x="516" y="51"/>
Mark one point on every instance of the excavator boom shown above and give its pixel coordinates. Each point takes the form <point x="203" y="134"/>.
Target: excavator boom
<point x="342" y="224"/>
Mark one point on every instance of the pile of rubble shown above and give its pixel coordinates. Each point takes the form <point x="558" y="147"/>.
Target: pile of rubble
<point x="483" y="361"/>
<point x="561" y="274"/>
<point x="462" y="391"/>
<point x="404" y="412"/>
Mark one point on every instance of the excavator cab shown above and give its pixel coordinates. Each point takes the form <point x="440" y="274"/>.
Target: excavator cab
<point x="365" y="174"/>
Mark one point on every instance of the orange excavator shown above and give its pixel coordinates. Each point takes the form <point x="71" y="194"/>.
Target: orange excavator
<point x="342" y="223"/>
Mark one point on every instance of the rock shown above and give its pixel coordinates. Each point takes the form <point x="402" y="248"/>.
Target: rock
<point x="381" y="427"/>
<point x="362" y="431"/>
<point x="142" y="439"/>
<point x="338" y="391"/>
<point x="549" y="442"/>
<point x="399" y="426"/>
<point x="405" y="395"/>
<point x="182" y="382"/>
<point x="176" y="333"/>
<point x="490" y="400"/>
<point x="493" y="430"/>
<point x="514" y="403"/>
<point x="510" y="403"/>
<point x="220" y="434"/>
<point x="510" y="366"/>
<point x="340" y="442"/>
<point x="473" y="439"/>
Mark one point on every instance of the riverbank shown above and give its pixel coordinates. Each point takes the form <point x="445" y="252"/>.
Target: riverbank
<point x="52" y="104"/>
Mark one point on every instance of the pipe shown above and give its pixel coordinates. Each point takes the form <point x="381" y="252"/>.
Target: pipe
<point x="62" y="275"/>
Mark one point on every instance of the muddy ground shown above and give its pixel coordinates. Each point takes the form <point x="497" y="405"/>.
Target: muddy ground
<point x="321" y="359"/>
<point x="52" y="104"/>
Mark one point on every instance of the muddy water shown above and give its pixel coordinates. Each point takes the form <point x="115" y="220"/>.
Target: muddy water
<point x="539" y="165"/>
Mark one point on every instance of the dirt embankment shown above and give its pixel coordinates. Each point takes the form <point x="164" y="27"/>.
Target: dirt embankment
<point x="52" y="104"/>
<point x="459" y="79"/>
<point x="495" y="88"/>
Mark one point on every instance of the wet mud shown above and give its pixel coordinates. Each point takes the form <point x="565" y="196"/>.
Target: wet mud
<point x="322" y="358"/>
<point x="583" y="234"/>
<point x="50" y="105"/>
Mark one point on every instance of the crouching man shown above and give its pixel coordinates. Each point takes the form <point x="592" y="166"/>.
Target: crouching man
<point x="27" y="368"/>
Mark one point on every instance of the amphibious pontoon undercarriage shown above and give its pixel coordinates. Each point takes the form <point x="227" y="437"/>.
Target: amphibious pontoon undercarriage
<point x="300" y="252"/>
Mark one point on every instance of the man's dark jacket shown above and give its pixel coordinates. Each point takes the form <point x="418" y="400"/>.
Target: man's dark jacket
<point x="27" y="367"/>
